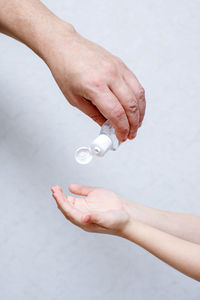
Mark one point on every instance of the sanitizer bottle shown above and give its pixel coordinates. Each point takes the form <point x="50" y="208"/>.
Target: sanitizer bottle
<point x="105" y="141"/>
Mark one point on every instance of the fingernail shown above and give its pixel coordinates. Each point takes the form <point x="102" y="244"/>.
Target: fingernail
<point x="123" y="139"/>
<point x="132" y="136"/>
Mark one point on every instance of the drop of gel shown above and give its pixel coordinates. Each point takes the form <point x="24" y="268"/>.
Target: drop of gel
<point x="83" y="155"/>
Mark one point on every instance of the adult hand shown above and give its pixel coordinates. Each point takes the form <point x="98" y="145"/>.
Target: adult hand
<point x="92" y="79"/>
<point x="97" y="83"/>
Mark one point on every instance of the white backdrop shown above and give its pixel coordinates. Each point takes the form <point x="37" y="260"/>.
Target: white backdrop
<point x="42" y="256"/>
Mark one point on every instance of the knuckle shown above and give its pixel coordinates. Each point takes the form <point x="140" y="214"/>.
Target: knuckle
<point x="89" y="92"/>
<point x="111" y="69"/>
<point x="140" y="94"/>
<point x="118" y="113"/>
<point x="97" y="83"/>
<point x="132" y="106"/>
<point x="92" y="84"/>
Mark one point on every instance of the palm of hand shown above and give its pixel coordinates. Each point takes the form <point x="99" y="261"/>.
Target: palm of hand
<point x="98" y="200"/>
<point x="99" y="210"/>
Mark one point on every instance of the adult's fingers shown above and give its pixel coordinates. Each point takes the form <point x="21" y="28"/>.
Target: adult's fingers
<point x="129" y="102"/>
<point x="88" y="108"/>
<point x="138" y="91"/>
<point x="108" y="104"/>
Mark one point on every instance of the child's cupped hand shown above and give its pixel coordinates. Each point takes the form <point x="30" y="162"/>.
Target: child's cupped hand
<point x="97" y="210"/>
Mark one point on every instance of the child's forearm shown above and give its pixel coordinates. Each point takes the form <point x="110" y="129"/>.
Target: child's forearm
<point x="180" y="254"/>
<point x="184" y="226"/>
<point x="111" y="216"/>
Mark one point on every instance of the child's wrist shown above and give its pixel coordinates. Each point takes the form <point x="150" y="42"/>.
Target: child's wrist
<point x="126" y="229"/>
<point x="130" y="208"/>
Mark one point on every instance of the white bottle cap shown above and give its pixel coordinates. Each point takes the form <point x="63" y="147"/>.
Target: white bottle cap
<point x="101" y="145"/>
<point x="83" y="155"/>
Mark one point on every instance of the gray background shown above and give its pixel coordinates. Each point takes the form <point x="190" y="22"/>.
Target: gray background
<point x="42" y="256"/>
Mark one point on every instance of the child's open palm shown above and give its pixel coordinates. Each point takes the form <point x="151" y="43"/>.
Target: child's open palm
<point x="98" y="210"/>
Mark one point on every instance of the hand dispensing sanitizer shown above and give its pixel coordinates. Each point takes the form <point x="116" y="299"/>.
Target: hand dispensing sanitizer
<point x="105" y="141"/>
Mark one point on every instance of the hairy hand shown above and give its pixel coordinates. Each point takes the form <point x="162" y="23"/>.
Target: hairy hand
<point x="97" y="82"/>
